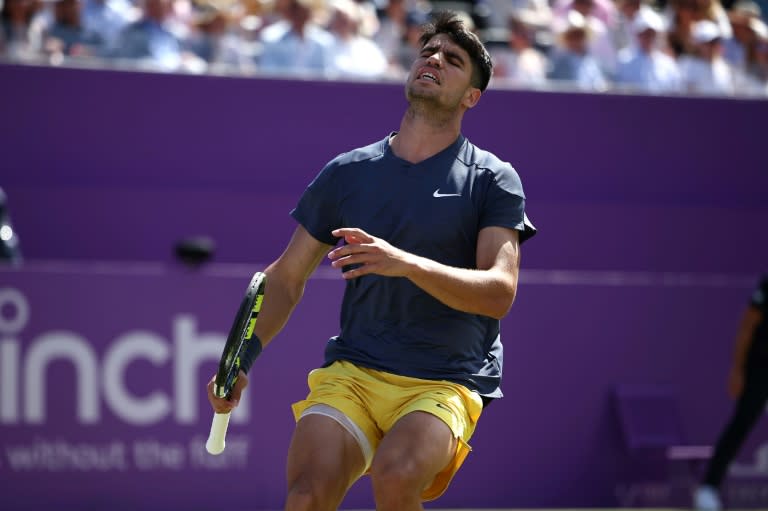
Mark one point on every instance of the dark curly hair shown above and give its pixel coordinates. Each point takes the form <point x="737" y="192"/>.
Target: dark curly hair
<point x="448" y="22"/>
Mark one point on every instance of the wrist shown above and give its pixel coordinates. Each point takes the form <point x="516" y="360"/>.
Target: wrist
<point x="415" y="266"/>
<point x="252" y="351"/>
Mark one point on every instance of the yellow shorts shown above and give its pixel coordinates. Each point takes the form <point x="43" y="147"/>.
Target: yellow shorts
<point x="375" y="400"/>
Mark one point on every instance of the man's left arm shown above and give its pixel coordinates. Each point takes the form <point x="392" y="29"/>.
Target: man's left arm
<point x="488" y="290"/>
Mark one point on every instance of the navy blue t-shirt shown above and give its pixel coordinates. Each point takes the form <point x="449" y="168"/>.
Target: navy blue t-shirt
<point x="758" y="351"/>
<point x="433" y="209"/>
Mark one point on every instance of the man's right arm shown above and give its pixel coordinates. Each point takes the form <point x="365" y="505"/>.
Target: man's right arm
<point x="749" y="321"/>
<point x="286" y="278"/>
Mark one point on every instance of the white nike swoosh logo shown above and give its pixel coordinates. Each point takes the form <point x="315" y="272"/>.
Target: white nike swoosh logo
<point x="438" y="194"/>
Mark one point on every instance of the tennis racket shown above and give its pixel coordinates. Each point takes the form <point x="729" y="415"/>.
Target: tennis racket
<point x="240" y="335"/>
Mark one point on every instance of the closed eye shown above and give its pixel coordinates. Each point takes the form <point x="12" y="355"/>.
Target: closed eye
<point x="454" y="58"/>
<point x="451" y="57"/>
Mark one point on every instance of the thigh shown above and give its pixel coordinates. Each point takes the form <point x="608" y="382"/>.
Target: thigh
<point x="418" y="446"/>
<point x="345" y="388"/>
<point x="429" y="429"/>
<point x="323" y="458"/>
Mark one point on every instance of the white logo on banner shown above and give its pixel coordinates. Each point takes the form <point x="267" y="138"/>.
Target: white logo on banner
<point x="23" y="385"/>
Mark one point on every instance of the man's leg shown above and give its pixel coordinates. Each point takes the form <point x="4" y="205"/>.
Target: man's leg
<point x="749" y="408"/>
<point x="409" y="457"/>
<point x="323" y="462"/>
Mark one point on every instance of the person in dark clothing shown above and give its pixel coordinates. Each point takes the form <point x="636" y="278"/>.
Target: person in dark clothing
<point x="748" y="385"/>
<point x="431" y="227"/>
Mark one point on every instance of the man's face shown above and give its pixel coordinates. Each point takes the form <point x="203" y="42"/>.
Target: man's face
<point x="575" y="40"/>
<point x="442" y="73"/>
<point x="647" y="40"/>
<point x="710" y="49"/>
<point x="629" y="7"/>
<point x="158" y="9"/>
<point x="68" y="11"/>
<point x="298" y="13"/>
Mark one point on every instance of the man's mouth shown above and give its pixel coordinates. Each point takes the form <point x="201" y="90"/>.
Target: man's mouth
<point x="426" y="75"/>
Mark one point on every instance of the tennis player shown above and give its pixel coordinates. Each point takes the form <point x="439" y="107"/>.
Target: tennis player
<point x="431" y="228"/>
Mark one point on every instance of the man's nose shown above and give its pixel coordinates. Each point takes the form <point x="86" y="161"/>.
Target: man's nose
<point x="435" y="60"/>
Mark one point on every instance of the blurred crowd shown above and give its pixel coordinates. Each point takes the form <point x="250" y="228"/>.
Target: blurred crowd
<point x="715" y="47"/>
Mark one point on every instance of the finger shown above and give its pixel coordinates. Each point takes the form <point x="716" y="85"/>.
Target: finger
<point x="218" y="404"/>
<point x="237" y="390"/>
<point x="353" y="235"/>
<point x="340" y="252"/>
<point x="223" y="406"/>
<point x="348" y="251"/>
<point x="339" y="263"/>
<point x="359" y="271"/>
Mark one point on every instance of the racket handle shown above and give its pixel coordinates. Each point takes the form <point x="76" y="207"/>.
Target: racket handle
<point x="215" y="443"/>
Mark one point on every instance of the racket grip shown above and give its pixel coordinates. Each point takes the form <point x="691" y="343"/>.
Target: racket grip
<point x="216" y="443"/>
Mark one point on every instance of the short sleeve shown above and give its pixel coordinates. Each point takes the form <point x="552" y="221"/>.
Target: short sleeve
<point x="318" y="208"/>
<point x="504" y="204"/>
<point x="759" y="297"/>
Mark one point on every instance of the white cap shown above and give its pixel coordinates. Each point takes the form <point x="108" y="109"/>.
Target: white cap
<point x="759" y="28"/>
<point x="647" y="19"/>
<point x="573" y="20"/>
<point x="705" y="31"/>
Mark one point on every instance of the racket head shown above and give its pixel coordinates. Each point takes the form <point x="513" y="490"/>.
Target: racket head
<point x="240" y="335"/>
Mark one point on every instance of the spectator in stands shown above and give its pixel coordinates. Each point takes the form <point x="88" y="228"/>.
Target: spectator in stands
<point x="706" y="71"/>
<point x="572" y="61"/>
<point x="743" y="51"/>
<point x="66" y="35"/>
<point x="217" y="39"/>
<point x="744" y="34"/>
<point x="680" y="17"/>
<point x="297" y="44"/>
<point x="410" y="45"/>
<point x="391" y="29"/>
<point x="752" y="79"/>
<point x="623" y="33"/>
<point x="352" y="55"/>
<point x="643" y="65"/>
<point x="601" y="45"/>
<point x="108" y="18"/>
<point x="150" y="42"/>
<point x="604" y="10"/>
<point x="519" y="63"/>
<point x="759" y="68"/>
<point x="683" y="14"/>
<point x="16" y="29"/>
<point x="369" y="18"/>
<point x="538" y="13"/>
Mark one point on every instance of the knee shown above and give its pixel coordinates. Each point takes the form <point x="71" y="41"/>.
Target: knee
<point x="392" y="478"/>
<point x="311" y="494"/>
<point x="300" y="498"/>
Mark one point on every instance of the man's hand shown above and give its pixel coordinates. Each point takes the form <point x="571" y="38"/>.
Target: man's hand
<point x="227" y="405"/>
<point x="369" y="253"/>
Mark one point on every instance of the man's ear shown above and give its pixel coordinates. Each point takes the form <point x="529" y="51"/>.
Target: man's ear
<point x="472" y="96"/>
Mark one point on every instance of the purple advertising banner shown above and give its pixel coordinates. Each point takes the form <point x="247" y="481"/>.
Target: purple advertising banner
<point x="651" y="212"/>
<point x="103" y="368"/>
